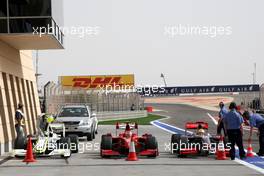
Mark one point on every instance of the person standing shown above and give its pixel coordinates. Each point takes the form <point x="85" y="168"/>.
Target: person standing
<point x="256" y="120"/>
<point x="20" y="141"/>
<point x="222" y="113"/>
<point x="19" y="116"/>
<point x="233" y="122"/>
<point x="133" y="107"/>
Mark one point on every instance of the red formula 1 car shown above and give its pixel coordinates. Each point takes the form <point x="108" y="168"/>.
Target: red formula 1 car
<point x="118" y="146"/>
<point x="199" y="143"/>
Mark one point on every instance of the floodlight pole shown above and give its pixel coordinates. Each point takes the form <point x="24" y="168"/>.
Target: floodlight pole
<point x="37" y="74"/>
<point x="254" y="74"/>
<point x="164" y="80"/>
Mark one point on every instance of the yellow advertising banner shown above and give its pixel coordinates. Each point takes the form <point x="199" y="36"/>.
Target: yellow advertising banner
<point x="97" y="82"/>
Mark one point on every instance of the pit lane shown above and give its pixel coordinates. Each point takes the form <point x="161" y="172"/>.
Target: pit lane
<point x="90" y="162"/>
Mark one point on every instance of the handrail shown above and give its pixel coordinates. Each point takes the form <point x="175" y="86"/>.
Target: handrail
<point x="56" y="31"/>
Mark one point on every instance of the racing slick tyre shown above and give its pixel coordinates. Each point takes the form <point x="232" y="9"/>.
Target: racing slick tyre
<point x="183" y="142"/>
<point x="175" y="141"/>
<point x="74" y="143"/>
<point x="106" y="144"/>
<point x="151" y="143"/>
<point x="64" y="143"/>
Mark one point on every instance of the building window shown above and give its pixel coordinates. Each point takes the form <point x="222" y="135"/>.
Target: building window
<point x="3" y="26"/>
<point x="32" y="17"/>
<point x="18" y="8"/>
<point x="3" y="7"/>
<point x="29" y="24"/>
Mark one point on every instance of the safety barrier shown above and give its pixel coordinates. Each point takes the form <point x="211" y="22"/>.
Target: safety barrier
<point x="254" y="100"/>
<point x="56" y="96"/>
<point x="261" y="97"/>
<point x="248" y="100"/>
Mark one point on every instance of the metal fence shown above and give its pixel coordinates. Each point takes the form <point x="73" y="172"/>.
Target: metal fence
<point x="247" y="99"/>
<point x="252" y="100"/>
<point x="56" y="96"/>
<point x="261" y="97"/>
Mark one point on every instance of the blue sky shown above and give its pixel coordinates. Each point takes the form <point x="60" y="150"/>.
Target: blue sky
<point x="131" y="39"/>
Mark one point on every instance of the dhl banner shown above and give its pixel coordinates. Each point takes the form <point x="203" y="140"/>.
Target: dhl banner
<point x="97" y="82"/>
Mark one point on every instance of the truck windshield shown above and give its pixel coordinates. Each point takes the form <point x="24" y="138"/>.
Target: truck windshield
<point x="74" y="112"/>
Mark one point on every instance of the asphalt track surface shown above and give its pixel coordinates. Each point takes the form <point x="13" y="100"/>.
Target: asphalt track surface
<point x="90" y="163"/>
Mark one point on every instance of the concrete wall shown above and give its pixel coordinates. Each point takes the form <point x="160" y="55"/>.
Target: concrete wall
<point x="17" y="85"/>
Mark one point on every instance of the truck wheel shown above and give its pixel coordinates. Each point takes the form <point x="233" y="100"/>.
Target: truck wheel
<point x="106" y="144"/>
<point x="175" y="141"/>
<point x="75" y="143"/>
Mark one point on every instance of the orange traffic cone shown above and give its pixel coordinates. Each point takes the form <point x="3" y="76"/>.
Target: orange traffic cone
<point x="250" y="150"/>
<point x="29" y="158"/>
<point x="220" y="153"/>
<point x="132" y="156"/>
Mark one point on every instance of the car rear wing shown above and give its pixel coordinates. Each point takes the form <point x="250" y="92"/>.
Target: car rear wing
<point x="123" y="126"/>
<point x="195" y="125"/>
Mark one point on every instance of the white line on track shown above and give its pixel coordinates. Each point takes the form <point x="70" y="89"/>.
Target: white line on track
<point x="159" y="110"/>
<point x="180" y="129"/>
<point x="152" y="123"/>
<point x="213" y="119"/>
<point x="250" y="165"/>
<point x="167" y="117"/>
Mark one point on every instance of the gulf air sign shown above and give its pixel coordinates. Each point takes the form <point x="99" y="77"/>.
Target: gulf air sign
<point x="97" y="82"/>
<point x="198" y="90"/>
